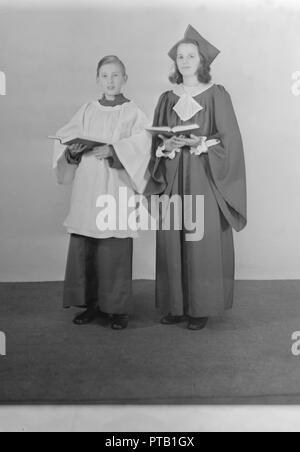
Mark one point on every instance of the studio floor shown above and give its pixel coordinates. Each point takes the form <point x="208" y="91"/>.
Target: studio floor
<point x="244" y="357"/>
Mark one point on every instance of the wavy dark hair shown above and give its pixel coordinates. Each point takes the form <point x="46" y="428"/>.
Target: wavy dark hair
<point x="204" y="75"/>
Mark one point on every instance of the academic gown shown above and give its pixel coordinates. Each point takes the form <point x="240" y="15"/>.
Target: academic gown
<point x="197" y="278"/>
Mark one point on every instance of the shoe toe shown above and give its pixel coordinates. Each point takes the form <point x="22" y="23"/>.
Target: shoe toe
<point x="197" y="325"/>
<point x="119" y="323"/>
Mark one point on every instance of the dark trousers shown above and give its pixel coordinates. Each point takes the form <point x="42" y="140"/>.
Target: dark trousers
<point x="99" y="274"/>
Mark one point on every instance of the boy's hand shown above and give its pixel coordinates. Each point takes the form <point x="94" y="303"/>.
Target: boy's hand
<point x="102" y="152"/>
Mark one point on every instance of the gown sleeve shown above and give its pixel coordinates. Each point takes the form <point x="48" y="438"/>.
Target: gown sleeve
<point x="227" y="163"/>
<point x="157" y="183"/>
<point x="64" y="169"/>
<point x="133" y="153"/>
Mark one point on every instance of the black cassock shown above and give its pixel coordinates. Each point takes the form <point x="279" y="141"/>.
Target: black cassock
<point x="197" y="278"/>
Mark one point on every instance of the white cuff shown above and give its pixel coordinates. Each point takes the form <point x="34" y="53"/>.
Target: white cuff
<point x="160" y="153"/>
<point x="201" y="148"/>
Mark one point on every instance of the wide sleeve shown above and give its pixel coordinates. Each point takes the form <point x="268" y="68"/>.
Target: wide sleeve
<point x="134" y="151"/>
<point x="227" y="163"/>
<point x="64" y="170"/>
<point x="157" y="183"/>
<point x="114" y="161"/>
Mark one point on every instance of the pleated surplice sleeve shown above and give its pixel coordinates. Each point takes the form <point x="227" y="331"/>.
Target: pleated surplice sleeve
<point x="65" y="171"/>
<point x="227" y="162"/>
<point x="133" y="152"/>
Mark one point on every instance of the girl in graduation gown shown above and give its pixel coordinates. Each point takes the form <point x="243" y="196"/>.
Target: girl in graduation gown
<point x="195" y="279"/>
<point x="99" y="266"/>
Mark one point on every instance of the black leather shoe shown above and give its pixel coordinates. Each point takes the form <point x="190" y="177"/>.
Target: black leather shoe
<point x="172" y="319"/>
<point x="119" y="322"/>
<point x="197" y="324"/>
<point x="87" y="317"/>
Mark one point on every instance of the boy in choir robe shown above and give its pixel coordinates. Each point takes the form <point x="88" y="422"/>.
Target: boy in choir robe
<point x="195" y="279"/>
<point x="99" y="265"/>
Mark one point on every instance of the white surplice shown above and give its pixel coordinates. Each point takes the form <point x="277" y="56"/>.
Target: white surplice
<point x="123" y="126"/>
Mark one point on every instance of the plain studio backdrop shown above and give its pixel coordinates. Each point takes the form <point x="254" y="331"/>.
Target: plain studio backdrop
<point x="49" y="55"/>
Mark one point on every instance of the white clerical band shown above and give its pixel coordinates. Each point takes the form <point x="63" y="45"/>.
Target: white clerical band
<point x="202" y="148"/>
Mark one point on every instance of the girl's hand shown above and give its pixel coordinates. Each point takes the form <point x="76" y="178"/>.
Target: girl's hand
<point x="194" y="141"/>
<point x="76" y="149"/>
<point x="173" y="143"/>
<point x="102" y="152"/>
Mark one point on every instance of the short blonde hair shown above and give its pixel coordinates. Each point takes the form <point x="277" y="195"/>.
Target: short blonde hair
<point x="109" y="60"/>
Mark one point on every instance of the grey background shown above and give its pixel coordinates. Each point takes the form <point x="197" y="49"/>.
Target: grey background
<point x="50" y="55"/>
<point x="259" y="42"/>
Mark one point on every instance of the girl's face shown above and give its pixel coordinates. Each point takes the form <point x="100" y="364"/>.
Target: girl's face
<point x="188" y="60"/>
<point x="112" y="79"/>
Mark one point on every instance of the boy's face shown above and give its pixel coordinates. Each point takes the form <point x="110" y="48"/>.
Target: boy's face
<point x="112" y="79"/>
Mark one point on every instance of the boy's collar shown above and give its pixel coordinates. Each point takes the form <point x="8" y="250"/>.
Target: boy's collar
<point x="120" y="99"/>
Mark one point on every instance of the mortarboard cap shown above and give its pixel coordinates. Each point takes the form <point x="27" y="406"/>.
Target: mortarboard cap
<point x="206" y="48"/>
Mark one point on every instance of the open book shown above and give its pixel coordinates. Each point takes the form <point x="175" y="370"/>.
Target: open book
<point x="170" y="132"/>
<point x="89" y="142"/>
